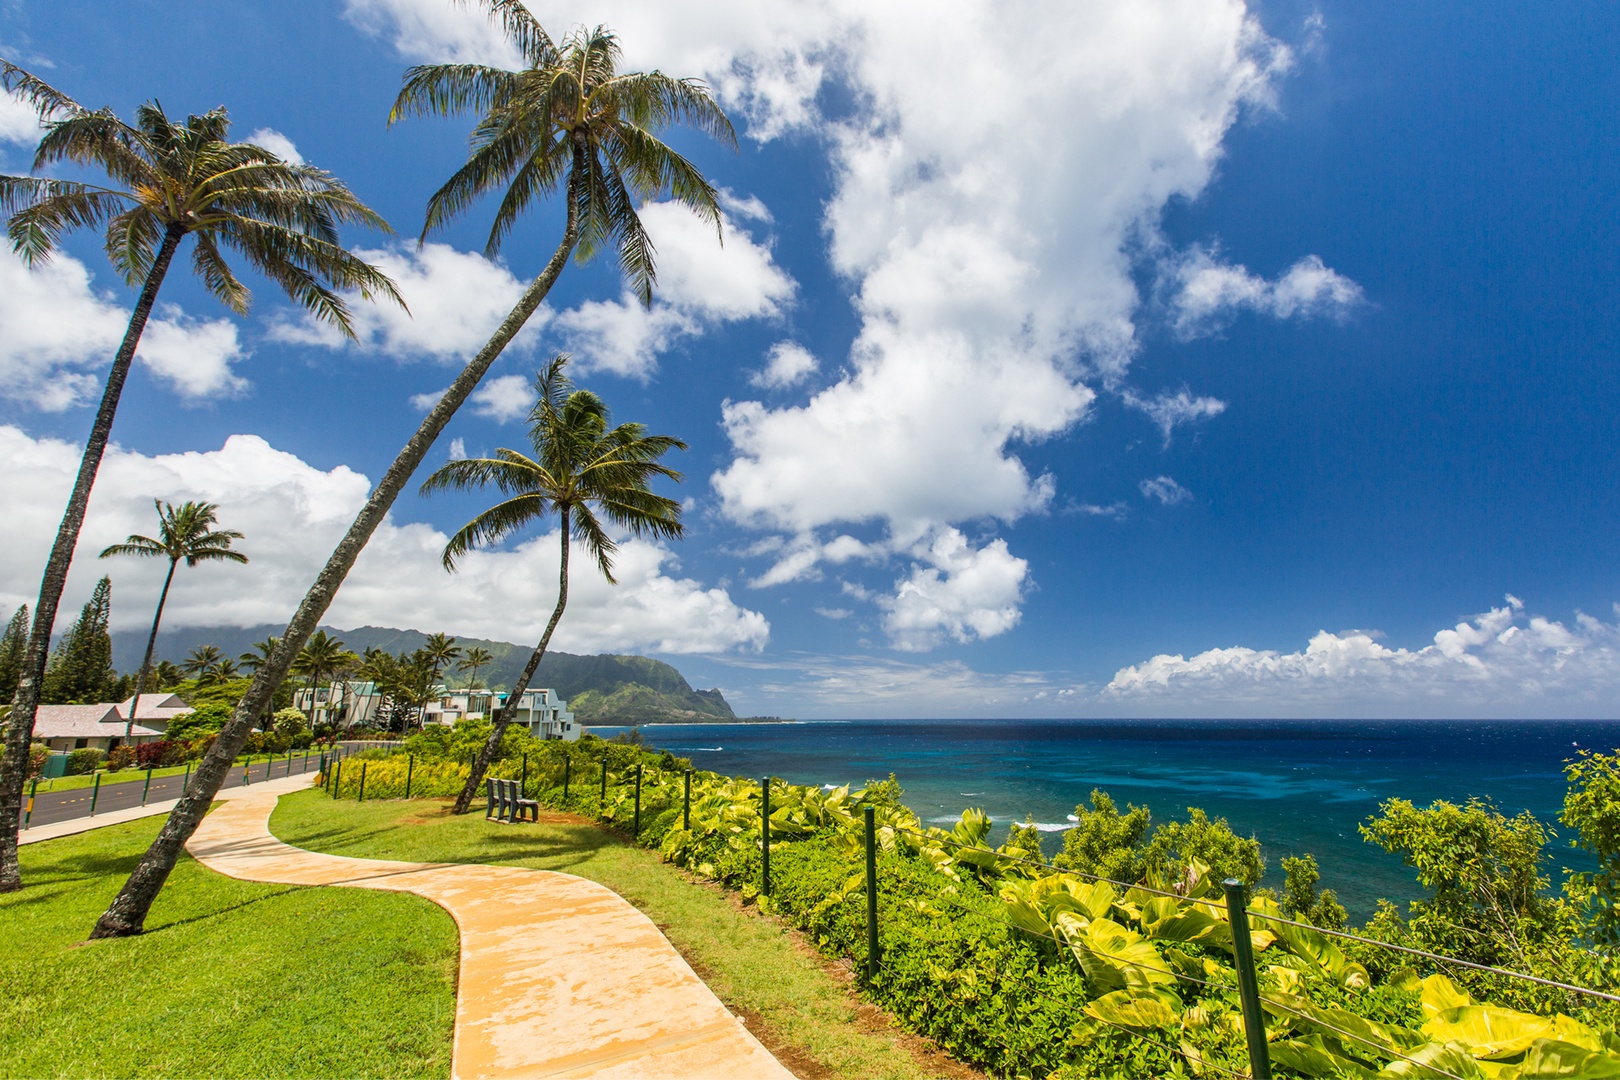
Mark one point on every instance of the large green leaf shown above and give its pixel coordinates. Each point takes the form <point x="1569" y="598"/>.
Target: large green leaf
<point x="1549" y="1058"/>
<point x="1440" y="994"/>
<point x="1435" y="1061"/>
<point x="1113" y="957"/>
<point x="1311" y="1055"/>
<point x="1488" y="1031"/>
<point x="1134" y="1010"/>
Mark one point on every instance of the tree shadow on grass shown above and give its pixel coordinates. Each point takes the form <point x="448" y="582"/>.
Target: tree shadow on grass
<point x="217" y="912"/>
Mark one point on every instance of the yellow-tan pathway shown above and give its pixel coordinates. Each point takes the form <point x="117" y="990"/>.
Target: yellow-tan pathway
<point x="559" y="976"/>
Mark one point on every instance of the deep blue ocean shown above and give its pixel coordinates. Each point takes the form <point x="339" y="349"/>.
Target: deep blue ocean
<point x="1299" y="786"/>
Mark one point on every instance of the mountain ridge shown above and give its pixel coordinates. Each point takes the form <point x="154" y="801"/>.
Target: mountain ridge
<point x="602" y="689"/>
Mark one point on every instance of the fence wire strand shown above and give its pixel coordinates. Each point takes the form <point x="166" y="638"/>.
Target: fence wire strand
<point x="1360" y="1039"/>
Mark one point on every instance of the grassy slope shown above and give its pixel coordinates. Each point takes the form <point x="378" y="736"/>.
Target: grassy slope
<point x="808" y="1019"/>
<point x="231" y="979"/>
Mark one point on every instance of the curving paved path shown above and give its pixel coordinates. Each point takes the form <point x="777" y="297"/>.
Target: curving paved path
<point x="560" y="977"/>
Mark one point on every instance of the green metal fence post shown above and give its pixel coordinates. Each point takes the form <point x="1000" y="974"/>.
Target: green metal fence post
<point x="32" y="791"/>
<point x="635" y="829"/>
<point x="148" y="786"/>
<point x="305" y="767"/>
<point x="362" y="797"/>
<point x="1254" y="1021"/>
<point x="94" y="795"/>
<point x="289" y="763"/>
<point x="337" y="781"/>
<point x="765" y="837"/>
<point x="686" y="804"/>
<point x="871" y="894"/>
<point x="410" y="769"/>
<point x="246" y="765"/>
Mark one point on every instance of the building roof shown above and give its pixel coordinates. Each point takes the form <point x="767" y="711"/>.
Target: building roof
<point x="156" y="706"/>
<point x="85" y="722"/>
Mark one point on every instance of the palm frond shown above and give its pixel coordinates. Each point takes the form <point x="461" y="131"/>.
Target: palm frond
<point x="143" y="546"/>
<point x="36" y="92"/>
<point x="56" y="206"/>
<point x="499" y="521"/>
<point x="448" y="89"/>
<point x="590" y="534"/>
<point x="217" y="277"/>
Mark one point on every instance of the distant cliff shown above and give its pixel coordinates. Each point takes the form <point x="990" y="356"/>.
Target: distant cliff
<point x="605" y="689"/>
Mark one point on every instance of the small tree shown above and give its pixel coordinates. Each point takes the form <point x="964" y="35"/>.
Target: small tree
<point x="12" y="646"/>
<point x="477" y="659"/>
<point x="80" y="671"/>
<point x="289" y="724"/>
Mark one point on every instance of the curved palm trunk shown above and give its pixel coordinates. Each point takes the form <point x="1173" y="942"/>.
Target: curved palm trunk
<point x="514" y="698"/>
<point x="146" y="661"/>
<point x="13" y="763"/>
<point x="127" y="913"/>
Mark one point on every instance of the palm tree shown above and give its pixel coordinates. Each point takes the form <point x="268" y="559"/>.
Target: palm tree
<point x="184" y="532"/>
<point x="568" y="119"/>
<point x="440" y="651"/>
<point x="202" y="662"/>
<point x="166" y="181"/>
<point x="580" y="467"/>
<point x="322" y="657"/>
<point x="252" y="661"/>
<point x="477" y="657"/>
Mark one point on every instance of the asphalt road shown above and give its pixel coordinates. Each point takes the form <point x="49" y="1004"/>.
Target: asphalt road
<point x="50" y="806"/>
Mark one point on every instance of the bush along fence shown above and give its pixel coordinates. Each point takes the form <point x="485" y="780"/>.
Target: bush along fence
<point x="1027" y="967"/>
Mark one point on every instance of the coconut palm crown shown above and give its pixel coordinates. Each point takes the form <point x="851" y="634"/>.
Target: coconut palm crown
<point x="569" y="112"/>
<point x="169" y="180"/>
<point x="581" y="468"/>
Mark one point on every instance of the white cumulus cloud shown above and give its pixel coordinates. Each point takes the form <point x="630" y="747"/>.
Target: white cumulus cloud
<point x="955" y="591"/>
<point x="786" y="364"/>
<point x="278" y="144"/>
<point x="503" y="399"/>
<point x="60" y="334"/>
<point x="19" y="121"/>
<point x="1501" y="662"/>
<point x="1169" y="411"/>
<point x="1164" y="489"/>
<point x="456" y="300"/>
<point x="700" y="283"/>
<point x="1207" y="293"/>
<point x="293" y="513"/>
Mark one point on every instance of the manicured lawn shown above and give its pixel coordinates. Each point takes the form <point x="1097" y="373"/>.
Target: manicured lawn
<point x="800" y="1011"/>
<point x="231" y="979"/>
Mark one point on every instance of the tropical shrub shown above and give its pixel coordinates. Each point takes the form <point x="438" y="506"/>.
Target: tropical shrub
<point x="160" y="752"/>
<point x="204" y="719"/>
<point x="289" y="724"/>
<point x="1026" y="968"/>
<point x="84" y="761"/>
<point x="122" y="757"/>
<point x="38" y="754"/>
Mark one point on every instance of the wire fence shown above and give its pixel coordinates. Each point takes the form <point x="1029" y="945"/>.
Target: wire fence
<point x="588" y="793"/>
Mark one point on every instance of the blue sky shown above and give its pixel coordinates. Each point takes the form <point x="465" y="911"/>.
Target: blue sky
<point x="1181" y="359"/>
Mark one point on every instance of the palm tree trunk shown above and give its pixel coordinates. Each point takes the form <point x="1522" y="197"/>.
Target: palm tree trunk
<point x="146" y="661"/>
<point x="492" y="745"/>
<point x="14" y="760"/>
<point x="127" y="913"/>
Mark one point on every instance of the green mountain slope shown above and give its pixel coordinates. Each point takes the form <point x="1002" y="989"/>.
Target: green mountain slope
<point x="605" y="689"/>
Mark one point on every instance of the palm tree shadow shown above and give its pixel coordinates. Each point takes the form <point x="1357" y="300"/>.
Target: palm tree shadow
<point x="217" y="912"/>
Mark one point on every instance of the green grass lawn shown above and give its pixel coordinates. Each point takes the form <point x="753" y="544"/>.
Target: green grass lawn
<point x="231" y="979"/>
<point x="802" y="1012"/>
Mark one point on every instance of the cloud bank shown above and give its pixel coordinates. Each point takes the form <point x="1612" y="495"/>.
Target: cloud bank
<point x="293" y="514"/>
<point x="1503" y="662"/>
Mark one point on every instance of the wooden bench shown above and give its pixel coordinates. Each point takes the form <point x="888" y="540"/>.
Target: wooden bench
<point x="506" y="802"/>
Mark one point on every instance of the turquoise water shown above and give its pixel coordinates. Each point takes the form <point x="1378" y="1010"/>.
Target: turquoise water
<point x="1299" y="786"/>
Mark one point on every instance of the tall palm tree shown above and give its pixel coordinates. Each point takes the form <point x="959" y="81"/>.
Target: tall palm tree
<point x="252" y="661"/>
<point x="440" y="651"/>
<point x="581" y="467"/>
<point x="202" y="662"/>
<point x="477" y="658"/>
<point x="567" y="119"/>
<point x="184" y="532"/>
<point x="321" y="658"/>
<point x="167" y="181"/>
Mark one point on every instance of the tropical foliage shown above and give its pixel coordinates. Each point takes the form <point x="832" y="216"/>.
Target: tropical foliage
<point x="1027" y="968"/>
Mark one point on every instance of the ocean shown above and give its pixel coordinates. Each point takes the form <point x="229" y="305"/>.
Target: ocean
<point x="1299" y="786"/>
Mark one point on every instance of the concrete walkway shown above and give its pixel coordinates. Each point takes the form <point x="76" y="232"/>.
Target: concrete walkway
<point x="560" y="977"/>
